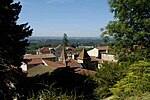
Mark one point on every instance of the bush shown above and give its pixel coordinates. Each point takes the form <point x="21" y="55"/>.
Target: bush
<point x="107" y="77"/>
<point x="136" y="82"/>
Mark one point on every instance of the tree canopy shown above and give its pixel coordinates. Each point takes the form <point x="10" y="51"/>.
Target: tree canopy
<point x="137" y="81"/>
<point x="130" y="29"/>
<point x="13" y="36"/>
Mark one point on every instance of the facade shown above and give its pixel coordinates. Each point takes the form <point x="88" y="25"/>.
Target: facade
<point x="96" y="52"/>
<point x="108" y="57"/>
<point x="45" y="50"/>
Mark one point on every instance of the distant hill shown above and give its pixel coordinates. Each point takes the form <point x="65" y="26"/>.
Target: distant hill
<point x="59" y="38"/>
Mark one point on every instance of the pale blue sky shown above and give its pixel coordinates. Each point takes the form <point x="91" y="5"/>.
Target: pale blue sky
<point x="76" y="18"/>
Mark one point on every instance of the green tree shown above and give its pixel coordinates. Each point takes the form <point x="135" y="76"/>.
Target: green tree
<point x="12" y="48"/>
<point x="65" y="39"/>
<point x="130" y="29"/>
<point x="13" y="36"/>
<point x="107" y="76"/>
<point x="136" y="82"/>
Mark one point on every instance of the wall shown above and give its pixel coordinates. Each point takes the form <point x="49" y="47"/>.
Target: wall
<point x="108" y="57"/>
<point x="94" y="52"/>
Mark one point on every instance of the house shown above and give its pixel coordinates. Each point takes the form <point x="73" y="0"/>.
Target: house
<point x="40" y="65"/>
<point x="100" y="55"/>
<point x="45" y="50"/>
<point x="85" y="47"/>
<point x="96" y="52"/>
<point x="34" y="60"/>
<point x="108" y="57"/>
<point x="42" y="69"/>
<point x="69" y="50"/>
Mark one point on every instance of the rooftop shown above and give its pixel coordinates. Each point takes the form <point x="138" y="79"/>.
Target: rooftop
<point x="84" y="55"/>
<point x="30" y="56"/>
<point x="102" y="48"/>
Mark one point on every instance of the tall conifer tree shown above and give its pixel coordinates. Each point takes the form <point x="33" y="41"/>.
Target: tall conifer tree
<point x="65" y="39"/>
<point x="12" y="35"/>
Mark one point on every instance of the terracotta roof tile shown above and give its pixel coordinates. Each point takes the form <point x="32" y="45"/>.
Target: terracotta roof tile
<point x="39" y="70"/>
<point x="102" y="48"/>
<point x="46" y="49"/>
<point x="84" y="71"/>
<point x="70" y="62"/>
<point x="96" y="59"/>
<point x="54" y="64"/>
<point x="100" y="60"/>
<point x="29" y="56"/>
<point x="35" y="61"/>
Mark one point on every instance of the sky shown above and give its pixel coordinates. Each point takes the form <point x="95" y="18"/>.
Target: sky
<point x="76" y="18"/>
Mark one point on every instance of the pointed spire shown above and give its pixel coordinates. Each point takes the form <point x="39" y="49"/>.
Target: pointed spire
<point x="84" y="55"/>
<point x="63" y="56"/>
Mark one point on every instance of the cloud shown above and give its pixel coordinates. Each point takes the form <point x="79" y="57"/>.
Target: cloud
<point x="59" y="1"/>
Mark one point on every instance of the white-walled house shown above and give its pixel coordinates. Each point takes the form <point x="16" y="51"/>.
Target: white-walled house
<point x="101" y="54"/>
<point x="108" y="57"/>
<point x="96" y="52"/>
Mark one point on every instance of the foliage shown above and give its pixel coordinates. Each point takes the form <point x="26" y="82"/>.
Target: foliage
<point x="130" y="29"/>
<point x="143" y="96"/>
<point x="52" y="94"/>
<point x="13" y="36"/>
<point x="65" y="39"/>
<point x="67" y="82"/>
<point x="73" y="42"/>
<point x="136" y="82"/>
<point x="13" y="41"/>
<point x="107" y="76"/>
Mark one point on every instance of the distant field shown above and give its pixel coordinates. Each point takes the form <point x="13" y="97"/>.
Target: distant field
<point x="59" y="38"/>
<point x="39" y="42"/>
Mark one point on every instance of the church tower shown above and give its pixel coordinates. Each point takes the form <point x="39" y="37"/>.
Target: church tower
<point x="63" y="56"/>
<point x="84" y="59"/>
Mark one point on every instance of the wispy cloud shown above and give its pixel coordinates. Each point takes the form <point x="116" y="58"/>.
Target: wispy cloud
<point x="59" y="1"/>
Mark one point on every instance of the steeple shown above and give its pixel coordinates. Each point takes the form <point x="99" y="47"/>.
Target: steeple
<point x="84" y="55"/>
<point x="84" y="59"/>
<point x="63" y="56"/>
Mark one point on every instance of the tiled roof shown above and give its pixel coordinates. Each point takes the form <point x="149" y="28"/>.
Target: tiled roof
<point x="70" y="62"/>
<point x="102" y="48"/>
<point x="35" y="61"/>
<point x="84" y="71"/>
<point x="84" y="55"/>
<point x="54" y="64"/>
<point x="46" y="49"/>
<point x="100" y="60"/>
<point x="96" y="59"/>
<point x="39" y="70"/>
<point x="70" y="48"/>
<point x="29" y="56"/>
<point x="67" y="48"/>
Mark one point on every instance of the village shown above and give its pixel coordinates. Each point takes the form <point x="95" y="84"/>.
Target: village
<point x="84" y="62"/>
<point x="105" y="57"/>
